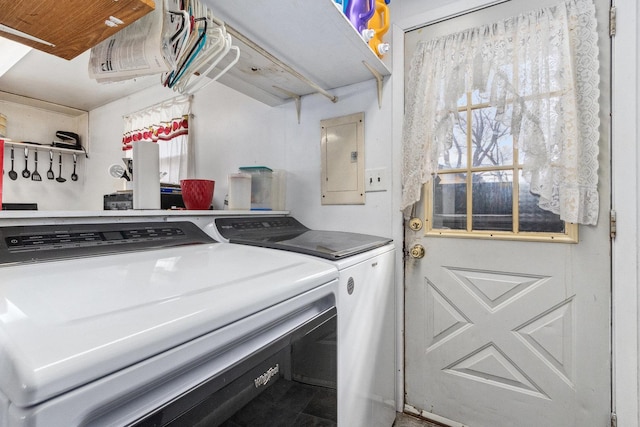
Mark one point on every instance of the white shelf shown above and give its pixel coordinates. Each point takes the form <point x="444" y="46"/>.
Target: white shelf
<point x="41" y="148"/>
<point x="42" y="105"/>
<point x="314" y="38"/>
<point x="33" y="123"/>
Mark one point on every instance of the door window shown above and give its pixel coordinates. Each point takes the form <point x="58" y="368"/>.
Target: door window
<point x="479" y="189"/>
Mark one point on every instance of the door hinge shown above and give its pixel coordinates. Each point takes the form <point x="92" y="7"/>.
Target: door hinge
<point x="614" y="420"/>
<point x="613" y="227"/>
<point x="612" y="21"/>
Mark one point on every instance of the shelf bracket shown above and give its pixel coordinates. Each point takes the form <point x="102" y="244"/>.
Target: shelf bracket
<point x="296" y="98"/>
<point x="379" y="78"/>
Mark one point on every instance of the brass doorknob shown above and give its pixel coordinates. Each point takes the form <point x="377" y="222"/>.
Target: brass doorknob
<point x="415" y="224"/>
<point x="417" y="251"/>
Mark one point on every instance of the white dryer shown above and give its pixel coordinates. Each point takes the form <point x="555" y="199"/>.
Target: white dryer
<point x="136" y="324"/>
<point x="366" y="306"/>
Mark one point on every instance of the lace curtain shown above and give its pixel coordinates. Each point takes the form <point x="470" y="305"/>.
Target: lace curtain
<point x="540" y="71"/>
<point x="168" y="125"/>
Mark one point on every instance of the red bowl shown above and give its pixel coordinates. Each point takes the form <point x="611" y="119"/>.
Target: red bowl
<point x="197" y="194"/>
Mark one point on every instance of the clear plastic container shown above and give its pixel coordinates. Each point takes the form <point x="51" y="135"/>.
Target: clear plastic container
<point x="261" y="185"/>
<point x="279" y="190"/>
<point x="240" y="191"/>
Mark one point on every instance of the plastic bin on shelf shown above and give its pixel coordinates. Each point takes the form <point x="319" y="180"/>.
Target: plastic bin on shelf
<point x="261" y="183"/>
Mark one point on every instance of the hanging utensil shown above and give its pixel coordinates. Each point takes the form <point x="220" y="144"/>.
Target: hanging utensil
<point x="50" y="173"/>
<point x="35" y="176"/>
<point x="118" y="171"/>
<point x="12" y="174"/>
<point x="25" y="172"/>
<point x="74" y="175"/>
<point x="129" y="164"/>
<point x="60" y="178"/>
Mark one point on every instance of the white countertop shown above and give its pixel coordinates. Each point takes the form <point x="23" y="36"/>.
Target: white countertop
<point x="26" y="217"/>
<point x="129" y="212"/>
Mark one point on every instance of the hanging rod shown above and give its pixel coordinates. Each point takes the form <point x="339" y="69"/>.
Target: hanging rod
<point x="42" y="147"/>
<point x="162" y="104"/>
<point x="235" y="33"/>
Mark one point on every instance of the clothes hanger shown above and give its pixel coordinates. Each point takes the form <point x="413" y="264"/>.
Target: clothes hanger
<point x="217" y="49"/>
<point x="196" y="43"/>
<point x="192" y="88"/>
<point x="172" y="44"/>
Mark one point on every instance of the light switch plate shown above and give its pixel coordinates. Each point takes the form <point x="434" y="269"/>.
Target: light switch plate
<point x="376" y="180"/>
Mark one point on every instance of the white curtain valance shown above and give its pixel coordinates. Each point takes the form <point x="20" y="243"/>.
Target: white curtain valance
<point x="540" y="71"/>
<point x="167" y="124"/>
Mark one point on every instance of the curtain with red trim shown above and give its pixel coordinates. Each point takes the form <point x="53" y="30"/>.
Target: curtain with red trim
<point x="166" y="124"/>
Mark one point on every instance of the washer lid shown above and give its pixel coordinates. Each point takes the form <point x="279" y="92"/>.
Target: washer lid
<point x="288" y="234"/>
<point x="67" y="323"/>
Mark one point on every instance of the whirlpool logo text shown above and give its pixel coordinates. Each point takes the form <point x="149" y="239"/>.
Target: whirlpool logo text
<point x="264" y="378"/>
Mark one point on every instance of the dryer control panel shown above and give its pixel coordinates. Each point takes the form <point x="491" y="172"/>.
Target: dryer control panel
<point x="36" y="243"/>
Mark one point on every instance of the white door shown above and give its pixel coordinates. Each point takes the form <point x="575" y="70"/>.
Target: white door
<point x="512" y="333"/>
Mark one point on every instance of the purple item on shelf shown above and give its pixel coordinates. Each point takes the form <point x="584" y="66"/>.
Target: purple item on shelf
<point x="360" y="12"/>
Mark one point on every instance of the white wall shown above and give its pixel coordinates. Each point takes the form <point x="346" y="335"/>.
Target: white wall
<point x="105" y="133"/>
<point x="228" y="130"/>
<point x="303" y="159"/>
<point x="626" y="159"/>
<point x="232" y="130"/>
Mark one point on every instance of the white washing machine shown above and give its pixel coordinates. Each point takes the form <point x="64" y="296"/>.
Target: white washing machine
<point x="139" y="324"/>
<point x="366" y="306"/>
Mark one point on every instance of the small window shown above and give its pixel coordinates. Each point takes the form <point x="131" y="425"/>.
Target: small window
<point x="480" y="189"/>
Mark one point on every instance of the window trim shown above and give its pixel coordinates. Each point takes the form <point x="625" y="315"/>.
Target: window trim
<point x="570" y="234"/>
